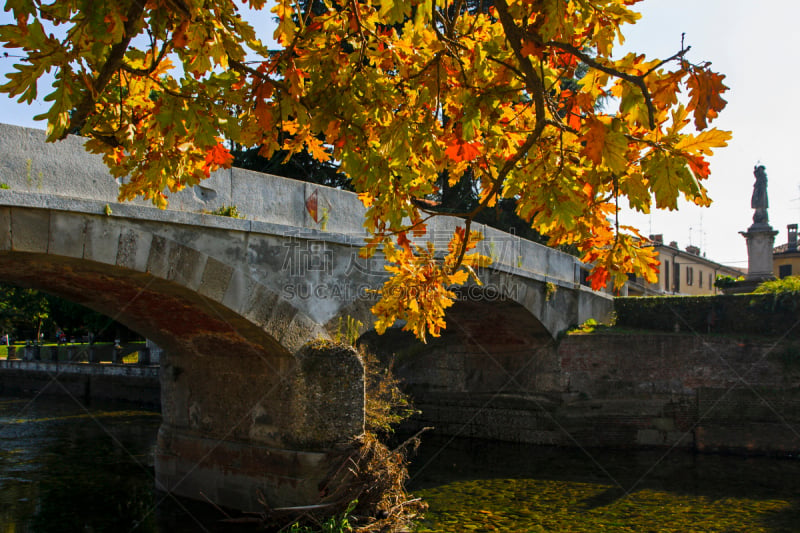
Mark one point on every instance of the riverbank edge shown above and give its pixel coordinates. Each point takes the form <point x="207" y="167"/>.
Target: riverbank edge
<point x="130" y="383"/>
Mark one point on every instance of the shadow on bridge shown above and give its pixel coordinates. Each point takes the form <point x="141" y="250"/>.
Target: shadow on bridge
<point x="495" y="362"/>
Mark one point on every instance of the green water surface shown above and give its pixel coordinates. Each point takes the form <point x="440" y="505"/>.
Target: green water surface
<point x="500" y="487"/>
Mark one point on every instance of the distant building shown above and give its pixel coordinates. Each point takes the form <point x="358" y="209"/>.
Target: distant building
<point x="786" y="257"/>
<point x="681" y="272"/>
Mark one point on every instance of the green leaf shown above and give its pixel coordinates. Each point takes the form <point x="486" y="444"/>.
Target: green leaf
<point x="668" y="177"/>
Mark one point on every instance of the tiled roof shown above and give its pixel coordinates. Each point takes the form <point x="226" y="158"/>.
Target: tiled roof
<point x="782" y="249"/>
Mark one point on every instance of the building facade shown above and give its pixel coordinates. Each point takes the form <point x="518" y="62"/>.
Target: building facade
<point x="786" y="257"/>
<point x="684" y="272"/>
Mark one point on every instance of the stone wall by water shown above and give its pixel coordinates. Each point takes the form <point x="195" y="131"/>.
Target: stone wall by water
<point x="693" y="392"/>
<point x="138" y="384"/>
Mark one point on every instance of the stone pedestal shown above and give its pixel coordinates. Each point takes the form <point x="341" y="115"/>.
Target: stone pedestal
<point x="144" y="356"/>
<point x="760" y="242"/>
<point x="32" y="353"/>
<point x="116" y="357"/>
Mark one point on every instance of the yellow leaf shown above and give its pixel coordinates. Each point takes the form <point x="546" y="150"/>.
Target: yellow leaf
<point x="704" y="141"/>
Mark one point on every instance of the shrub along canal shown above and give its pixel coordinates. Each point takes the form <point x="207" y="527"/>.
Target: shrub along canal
<point x="67" y="468"/>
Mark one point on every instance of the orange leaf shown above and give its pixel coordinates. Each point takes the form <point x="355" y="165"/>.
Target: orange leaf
<point x="462" y="151"/>
<point x="179" y="39"/>
<point x="574" y="119"/>
<point x="665" y="90"/>
<point x="317" y="150"/>
<point x="598" y="277"/>
<point x="403" y="241"/>
<point x="566" y="59"/>
<point x="705" y="89"/>
<point x="219" y="155"/>
<point x="595" y="139"/>
<point x="699" y="166"/>
<point x="529" y="48"/>
<point x="333" y="130"/>
<point x="585" y="102"/>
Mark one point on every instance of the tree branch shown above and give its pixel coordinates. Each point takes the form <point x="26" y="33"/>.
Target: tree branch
<point x="112" y="65"/>
<point x="636" y="80"/>
<point x="535" y="87"/>
<point x="146" y="72"/>
<point x="533" y="84"/>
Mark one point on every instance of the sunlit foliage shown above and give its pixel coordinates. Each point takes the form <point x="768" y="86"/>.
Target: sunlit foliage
<point x="399" y="93"/>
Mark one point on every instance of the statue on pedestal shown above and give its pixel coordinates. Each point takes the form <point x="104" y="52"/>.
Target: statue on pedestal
<point x="759" y="200"/>
<point x="760" y="236"/>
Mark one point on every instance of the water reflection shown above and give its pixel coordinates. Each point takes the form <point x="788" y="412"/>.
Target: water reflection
<point x="67" y="468"/>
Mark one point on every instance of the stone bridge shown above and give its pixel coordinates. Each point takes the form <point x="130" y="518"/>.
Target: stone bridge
<point x="249" y="403"/>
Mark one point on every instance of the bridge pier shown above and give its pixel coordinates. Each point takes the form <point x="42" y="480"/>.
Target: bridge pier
<point x="235" y="474"/>
<point x="272" y="435"/>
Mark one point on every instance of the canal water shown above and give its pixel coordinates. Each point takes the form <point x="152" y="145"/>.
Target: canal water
<point x="69" y="468"/>
<point x="65" y="467"/>
<point x="488" y="486"/>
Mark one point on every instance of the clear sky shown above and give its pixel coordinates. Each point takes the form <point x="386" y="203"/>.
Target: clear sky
<point x="755" y="45"/>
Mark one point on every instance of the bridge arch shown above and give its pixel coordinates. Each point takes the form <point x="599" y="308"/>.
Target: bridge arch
<point x="550" y="307"/>
<point x="115" y="264"/>
<point x="495" y="361"/>
<point x="236" y="379"/>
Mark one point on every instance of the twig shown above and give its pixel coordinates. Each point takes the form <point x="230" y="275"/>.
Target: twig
<point x="112" y="65"/>
<point x="415" y="436"/>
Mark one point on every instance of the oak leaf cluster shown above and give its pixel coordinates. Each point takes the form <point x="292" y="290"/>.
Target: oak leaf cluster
<point x="522" y="96"/>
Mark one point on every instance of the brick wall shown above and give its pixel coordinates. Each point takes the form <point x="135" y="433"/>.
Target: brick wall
<point x="705" y="393"/>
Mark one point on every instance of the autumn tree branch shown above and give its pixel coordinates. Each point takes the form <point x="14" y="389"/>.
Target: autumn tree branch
<point x="636" y="80"/>
<point x="112" y="65"/>
<point x="535" y="88"/>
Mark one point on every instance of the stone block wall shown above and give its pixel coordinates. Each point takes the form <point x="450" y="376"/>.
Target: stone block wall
<point x="702" y="392"/>
<point x="693" y="392"/>
<point x="130" y="383"/>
